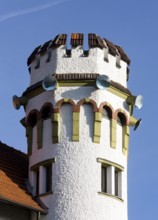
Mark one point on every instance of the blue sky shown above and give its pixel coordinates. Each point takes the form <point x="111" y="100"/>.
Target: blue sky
<point x="132" y="24"/>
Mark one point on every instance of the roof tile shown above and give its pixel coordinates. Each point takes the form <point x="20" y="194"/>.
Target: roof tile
<point x="13" y="174"/>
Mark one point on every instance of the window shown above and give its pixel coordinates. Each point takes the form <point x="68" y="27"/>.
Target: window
<point x="116" y="182"/>
<point x="111" y="175"/>
<point x="104" y="179"/>
<point x="37" y="182"/>
<point x="42" y="177"/>
<point x="48" y="170"/>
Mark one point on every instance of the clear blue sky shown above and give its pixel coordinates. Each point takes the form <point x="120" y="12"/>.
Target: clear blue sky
<point x="132" y="24"/>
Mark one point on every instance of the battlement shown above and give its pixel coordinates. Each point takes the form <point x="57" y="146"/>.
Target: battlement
<point x="102" y="57"/>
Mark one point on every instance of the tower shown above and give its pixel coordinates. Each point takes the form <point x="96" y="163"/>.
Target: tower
<point x="78" y="116"/>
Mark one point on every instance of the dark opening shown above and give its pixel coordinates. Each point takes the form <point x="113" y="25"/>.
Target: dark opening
<point x="116" y="183"/>
<point x="37" y="182"/>
<point x="49" y="178"/>
<point x="46" y="113"/>
<point x="106" y="113"/>
<point x="104" y="179"/>
<point x="32" y="119"/>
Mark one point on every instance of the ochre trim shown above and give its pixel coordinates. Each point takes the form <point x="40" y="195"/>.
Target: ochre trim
<point x="97" y="127"/>
<point x="117" y="92"/>
<point x="125" y="139"/>
<point x="55" y="127"/>
<point x="75" y="126"/>
<point x="72" y="83"/>
<point x="110" y="163"/>
<point x="42" y="163"/>
<point x="88" y="101"/>
<point x="115" y="88"/>
<point x="113" y="125"/>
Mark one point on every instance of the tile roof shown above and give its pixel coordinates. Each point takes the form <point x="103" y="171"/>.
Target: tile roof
<point x="13" y="176"/>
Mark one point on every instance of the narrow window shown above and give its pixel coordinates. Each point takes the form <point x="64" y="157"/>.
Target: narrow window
<point x="49" y="178"/>
<point x="37" y="182"/>
<point x="104" y="179"/>
<point x="116" y="182"/>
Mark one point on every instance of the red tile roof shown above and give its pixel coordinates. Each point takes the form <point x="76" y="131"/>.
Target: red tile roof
<point x="13" y="176"/>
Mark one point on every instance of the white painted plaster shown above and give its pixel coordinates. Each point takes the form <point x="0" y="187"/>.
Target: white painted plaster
<point x="77" y="63"/>
<point x="76" y="172"/>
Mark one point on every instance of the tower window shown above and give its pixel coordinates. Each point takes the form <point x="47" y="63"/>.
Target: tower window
<point x="37" y="182"/>
<point x="104" y="179"/>
<point x="116" y="182"/>
<point x="111" y="178"/>
<point x="42" y="177"/>
<point x="49" y="178"/>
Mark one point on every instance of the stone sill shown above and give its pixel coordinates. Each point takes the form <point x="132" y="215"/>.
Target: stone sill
<point x="110" y="195"/>
<point x="44" y="194"/>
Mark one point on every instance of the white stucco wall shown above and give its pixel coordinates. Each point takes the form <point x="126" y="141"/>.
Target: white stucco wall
<point x="94" y="63"/>
<point x="76" y="172"/>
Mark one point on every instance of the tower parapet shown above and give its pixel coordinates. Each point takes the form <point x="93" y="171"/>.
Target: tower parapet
<point x="77" y="133"/>
<point x="103" y="57"/>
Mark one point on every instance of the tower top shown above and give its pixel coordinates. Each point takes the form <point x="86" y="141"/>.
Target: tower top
<point x="102" y="57"/>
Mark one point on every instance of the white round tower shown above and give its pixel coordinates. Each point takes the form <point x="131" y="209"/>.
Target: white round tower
<point x="78" y="113"/>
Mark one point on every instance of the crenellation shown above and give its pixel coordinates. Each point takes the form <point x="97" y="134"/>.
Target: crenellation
<point x="101" y="54"/>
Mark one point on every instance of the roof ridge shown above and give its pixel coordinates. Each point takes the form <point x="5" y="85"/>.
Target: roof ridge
<point x="3" y="145"/>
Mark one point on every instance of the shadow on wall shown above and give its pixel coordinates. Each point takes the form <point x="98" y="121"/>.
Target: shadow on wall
<point x="78" y="93"/>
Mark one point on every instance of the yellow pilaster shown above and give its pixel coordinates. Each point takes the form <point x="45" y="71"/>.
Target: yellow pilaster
<point x="75" y="126"/>
<point x="125" y="139"/>
<point x="113" y="126"/>
<point x="97" y="127"/>
<point x="55" y="127"/>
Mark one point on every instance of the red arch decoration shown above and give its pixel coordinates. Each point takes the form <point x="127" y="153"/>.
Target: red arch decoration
<point x="123" y="113"/>
<point x="89" y="101"/>
<point x="56" y="109"/>
<point x="33" y="111"/>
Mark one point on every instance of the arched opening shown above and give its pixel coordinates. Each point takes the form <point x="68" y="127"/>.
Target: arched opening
<point x="87" y="121"/>
<point x="46" y="112"/>
<point x="31" y="132"/>
<point x="121" y="122"/>
<point x="66" y="122"/>
<point x="32" y="119"/>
